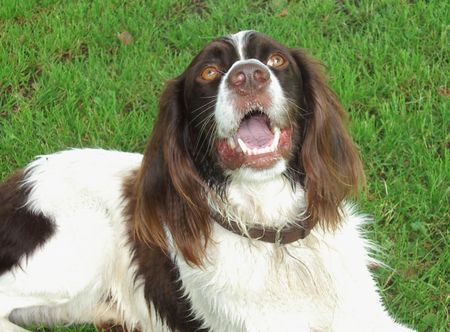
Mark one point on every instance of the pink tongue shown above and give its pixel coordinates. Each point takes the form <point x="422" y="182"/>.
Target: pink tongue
<point x="255" y="132"/>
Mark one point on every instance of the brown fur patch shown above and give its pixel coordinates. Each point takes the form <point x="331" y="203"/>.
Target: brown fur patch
<point x="21" y="231"/>
<point x="162" y="285"/>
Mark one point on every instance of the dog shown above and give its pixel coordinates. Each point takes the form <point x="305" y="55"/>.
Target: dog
<point x="236" y="217"/>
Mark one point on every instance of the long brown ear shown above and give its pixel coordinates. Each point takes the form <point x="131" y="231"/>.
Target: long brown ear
<point x="170" y="194"/>
<point x="329" y="156"/>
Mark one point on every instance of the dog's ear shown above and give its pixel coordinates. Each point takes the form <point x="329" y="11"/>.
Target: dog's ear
<point x="171" y="207"/>
<point x="329" y="157"/>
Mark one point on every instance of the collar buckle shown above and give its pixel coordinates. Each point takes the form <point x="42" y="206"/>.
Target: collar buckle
<point x="278" y="237"/>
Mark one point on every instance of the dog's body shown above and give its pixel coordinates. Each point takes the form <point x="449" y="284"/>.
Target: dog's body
<point x="113" y="237"/>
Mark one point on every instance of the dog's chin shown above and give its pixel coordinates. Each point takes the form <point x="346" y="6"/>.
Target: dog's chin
<point x="251" y="174"/>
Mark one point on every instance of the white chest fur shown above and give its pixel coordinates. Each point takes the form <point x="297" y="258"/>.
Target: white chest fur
<point x="320" y="283"/>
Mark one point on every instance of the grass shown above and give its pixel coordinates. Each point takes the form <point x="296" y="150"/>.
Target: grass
<point x="67" y="80"/>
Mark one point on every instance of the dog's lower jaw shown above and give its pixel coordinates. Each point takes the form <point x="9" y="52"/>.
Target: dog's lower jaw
<point x="251" y="175"/>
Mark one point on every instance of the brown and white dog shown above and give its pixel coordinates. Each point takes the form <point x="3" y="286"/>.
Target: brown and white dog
<point x="233" y="220"/>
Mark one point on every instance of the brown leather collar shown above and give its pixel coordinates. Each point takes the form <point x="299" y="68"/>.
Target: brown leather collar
<point x="284" y="235"/>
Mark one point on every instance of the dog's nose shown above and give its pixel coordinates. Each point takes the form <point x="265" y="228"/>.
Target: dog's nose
<point x="248" y="78"/>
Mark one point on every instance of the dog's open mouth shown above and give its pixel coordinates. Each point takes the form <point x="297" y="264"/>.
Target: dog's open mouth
<point x="256" y="143"/>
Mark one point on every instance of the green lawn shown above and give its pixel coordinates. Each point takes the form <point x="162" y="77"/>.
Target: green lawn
<point x="67" y="80"/>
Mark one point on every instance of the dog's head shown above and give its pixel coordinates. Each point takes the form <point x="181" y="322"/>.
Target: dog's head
<point x="245" y="107"/>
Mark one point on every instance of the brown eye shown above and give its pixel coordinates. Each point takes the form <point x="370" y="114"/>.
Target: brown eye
<point x="210" y="73"/>
<point x="276" y="60"/>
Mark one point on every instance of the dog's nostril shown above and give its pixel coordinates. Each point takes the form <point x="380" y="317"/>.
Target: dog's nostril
<point x="238" y="78"/>
<point x="261" y="76"/>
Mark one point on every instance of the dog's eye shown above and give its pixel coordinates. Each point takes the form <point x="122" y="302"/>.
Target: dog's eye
<point x="276" y="60"/>
<point x="210" y="73"/>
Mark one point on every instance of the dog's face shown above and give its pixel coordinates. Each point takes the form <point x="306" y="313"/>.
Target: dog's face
<point x="247" y="108"/>
<point x="244" y="105"/>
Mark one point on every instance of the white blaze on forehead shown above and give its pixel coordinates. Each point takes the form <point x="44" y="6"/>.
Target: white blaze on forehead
<point x="239" y="40"/>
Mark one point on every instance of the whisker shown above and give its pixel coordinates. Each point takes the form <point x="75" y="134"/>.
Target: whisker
<point x="289" y="115"/>
<point x="208" y="97"/>
<point x="293" y="170"/>
<point x="204" y="105"/>
<point x="298" y="107"/>
<point x="207" y="107"/>
<point x="204" y="122"/>
<point x="210" y="140"/>
<point x="206" y="137"/>
<point x="202" y="136"/>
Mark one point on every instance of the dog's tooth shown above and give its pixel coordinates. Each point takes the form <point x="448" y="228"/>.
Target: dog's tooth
<point x="277" y="132"/>
<point x="231" y="143"/>
<point x="243" y="146"/>
<point x="276" y="138"/>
